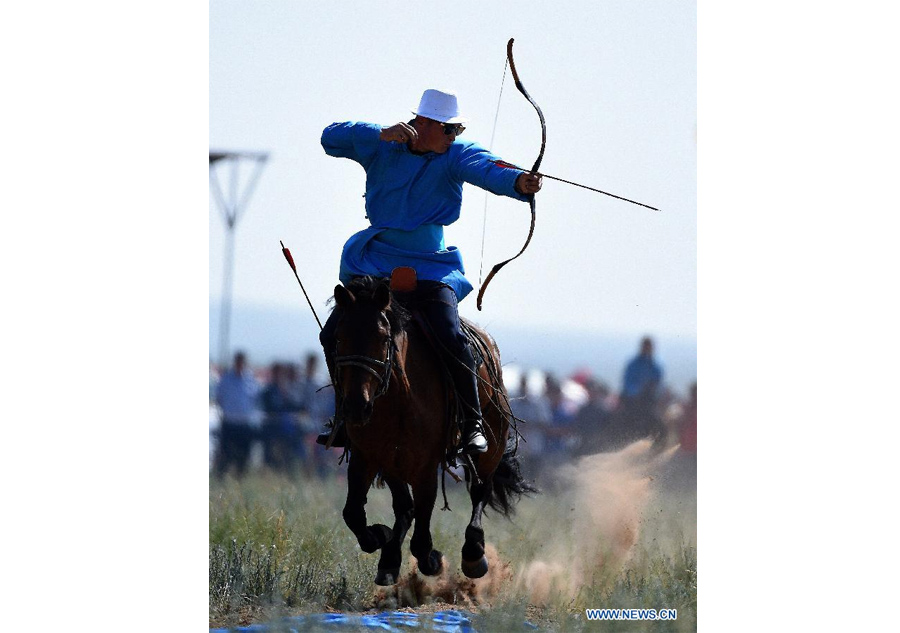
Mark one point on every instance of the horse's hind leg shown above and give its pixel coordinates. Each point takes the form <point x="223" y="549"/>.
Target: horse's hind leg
<point x="391" y="555"/>
<point x="421" y="546"/>
<point x="359" y="479"/>
<point x="474" y="562"/>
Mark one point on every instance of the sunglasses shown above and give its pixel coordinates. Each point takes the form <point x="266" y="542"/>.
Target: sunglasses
<point x="453" y="128"/>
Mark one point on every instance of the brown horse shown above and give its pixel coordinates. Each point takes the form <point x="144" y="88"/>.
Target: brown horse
<point x="395" y="407"/>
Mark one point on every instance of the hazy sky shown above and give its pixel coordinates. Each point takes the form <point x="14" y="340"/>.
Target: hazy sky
<point x="616" y="82"/>
<point x="799" y="256"/>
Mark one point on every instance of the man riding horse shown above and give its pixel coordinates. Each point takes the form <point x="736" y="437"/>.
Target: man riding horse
<point x="414" y="180"/>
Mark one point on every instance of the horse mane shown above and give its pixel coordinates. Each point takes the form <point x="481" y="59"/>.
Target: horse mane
<point x="363" y="288"/>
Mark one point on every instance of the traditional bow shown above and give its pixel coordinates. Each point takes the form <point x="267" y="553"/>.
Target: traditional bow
<point x="537" y="164"/>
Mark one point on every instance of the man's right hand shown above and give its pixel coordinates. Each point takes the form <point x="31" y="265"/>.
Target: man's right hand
<point x="399" y="133"/>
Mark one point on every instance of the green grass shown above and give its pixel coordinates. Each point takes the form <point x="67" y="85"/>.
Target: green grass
<point x="278" y="546"/>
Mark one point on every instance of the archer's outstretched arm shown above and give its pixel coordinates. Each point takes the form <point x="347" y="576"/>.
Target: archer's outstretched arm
<point x="477" y="166"/>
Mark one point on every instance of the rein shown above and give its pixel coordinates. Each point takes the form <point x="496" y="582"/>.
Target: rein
<point x="367" y="363"/>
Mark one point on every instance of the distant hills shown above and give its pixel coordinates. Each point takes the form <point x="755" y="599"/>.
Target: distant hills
<point x="273" y="333"/>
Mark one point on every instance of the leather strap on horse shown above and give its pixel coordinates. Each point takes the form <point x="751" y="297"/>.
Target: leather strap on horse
<point x="366" y="362"/>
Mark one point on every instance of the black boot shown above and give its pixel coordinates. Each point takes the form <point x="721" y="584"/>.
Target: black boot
<point x="339" y="433"/>
<point x="473" y="439"/>
<point x="334" y="428"/>
<point x="463" y="371"/>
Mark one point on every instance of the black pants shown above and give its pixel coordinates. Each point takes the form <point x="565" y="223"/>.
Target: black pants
<point x="235" y="441"/>
<point x="438" y="304"/>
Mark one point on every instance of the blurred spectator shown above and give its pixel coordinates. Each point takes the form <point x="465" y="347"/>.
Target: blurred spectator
<point x="236" y="395"/>
<point x="642" y="379"/>
<point x="214" y="416"/>
<point x="281" y="428"/>
<point x="571" y="418"/>
<point x="592" y="419"/>
<point x="683" y="468"/>
<point x="213" y="382"/>
<point x="641" y="386"/>
<point x="560" y="434"/>
<point x="317" y="405"/>
<point x="535" y="412"/>
<point x="686" y="426"/>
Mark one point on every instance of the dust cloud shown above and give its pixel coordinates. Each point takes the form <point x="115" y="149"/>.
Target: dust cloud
<point x="607" y="494"/>
<point x="414" y="589"/>
<point x="604" y="495"/>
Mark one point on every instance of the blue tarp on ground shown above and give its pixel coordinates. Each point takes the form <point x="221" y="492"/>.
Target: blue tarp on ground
<point x="445" y="621"/>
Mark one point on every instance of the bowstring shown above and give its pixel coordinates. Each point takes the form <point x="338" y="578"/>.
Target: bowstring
<point x="490" y="148"/>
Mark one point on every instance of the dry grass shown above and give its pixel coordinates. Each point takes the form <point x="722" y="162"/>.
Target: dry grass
<point x="616" y="532"/>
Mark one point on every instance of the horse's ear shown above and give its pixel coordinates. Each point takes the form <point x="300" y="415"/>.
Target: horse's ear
<point x="382" y="297"/>
<point x="343" y="297"/>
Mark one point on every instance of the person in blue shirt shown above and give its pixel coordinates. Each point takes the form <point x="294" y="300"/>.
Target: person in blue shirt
<point x="236" y="395"/>
<point x="280" y="432"/>
<point x="643" y="377"/>
<point x="414" y="181"/>
<point x="641" y="386"/>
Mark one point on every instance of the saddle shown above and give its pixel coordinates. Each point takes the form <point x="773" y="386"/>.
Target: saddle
<point x="404" y="283"/>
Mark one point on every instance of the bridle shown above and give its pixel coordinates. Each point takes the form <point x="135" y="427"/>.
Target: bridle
<point x="381" y="369"/>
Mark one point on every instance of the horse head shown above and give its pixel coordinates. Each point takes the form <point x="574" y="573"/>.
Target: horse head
<point x="365" y="349"/>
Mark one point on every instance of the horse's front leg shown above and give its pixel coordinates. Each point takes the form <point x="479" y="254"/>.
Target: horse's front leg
<point x="391" y="555"/>
<point x="424" y="494"/>
<point x="359" y="479"/>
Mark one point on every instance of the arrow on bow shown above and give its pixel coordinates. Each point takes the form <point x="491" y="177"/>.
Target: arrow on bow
<point x="504" y="164"/>
<point x="535" y="167"/>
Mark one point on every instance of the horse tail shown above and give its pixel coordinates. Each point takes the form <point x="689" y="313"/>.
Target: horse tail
<point x="508" y="484"/>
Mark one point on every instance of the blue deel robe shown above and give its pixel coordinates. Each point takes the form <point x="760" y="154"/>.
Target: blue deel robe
<point x="409" y="200"/>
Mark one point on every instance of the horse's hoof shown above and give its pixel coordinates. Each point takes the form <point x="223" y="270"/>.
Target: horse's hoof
<point x="375" y="537"/>
<point x="387" y="577"/>
<point x="475" y="569"/>
<point x="383" y="534"/>
<point x="433" y="565"/>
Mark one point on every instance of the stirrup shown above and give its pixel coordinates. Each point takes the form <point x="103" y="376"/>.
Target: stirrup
<point x="336" y="437"/>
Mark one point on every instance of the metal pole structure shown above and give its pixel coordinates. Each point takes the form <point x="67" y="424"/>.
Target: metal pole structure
<point x="227" y="283"/>
<point x="231" y="210"/>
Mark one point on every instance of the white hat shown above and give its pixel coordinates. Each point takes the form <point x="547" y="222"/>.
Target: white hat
<point x="440" y="106"/>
